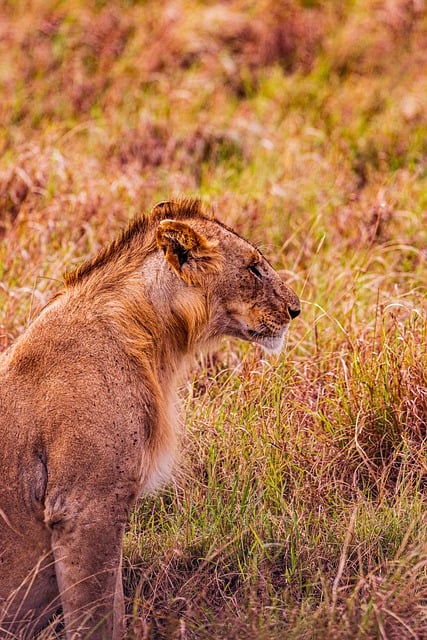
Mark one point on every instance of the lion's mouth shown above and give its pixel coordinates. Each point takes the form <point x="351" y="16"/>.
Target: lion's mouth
<point x="271" y="342"/>
<point x="257" y="334"/>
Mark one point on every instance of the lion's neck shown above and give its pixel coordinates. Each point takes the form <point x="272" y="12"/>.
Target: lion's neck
<point x="157" y="316"/>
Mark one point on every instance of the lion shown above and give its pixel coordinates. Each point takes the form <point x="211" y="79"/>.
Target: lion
<point x="87" y="405"/>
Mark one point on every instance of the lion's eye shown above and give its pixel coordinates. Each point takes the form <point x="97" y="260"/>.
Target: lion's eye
<point x="255" y="270"/>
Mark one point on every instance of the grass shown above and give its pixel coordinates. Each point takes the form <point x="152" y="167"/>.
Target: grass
<point x="298" y="509"/>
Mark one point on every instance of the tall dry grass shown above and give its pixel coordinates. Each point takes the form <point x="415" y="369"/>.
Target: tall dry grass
<point x="299" y="508"/>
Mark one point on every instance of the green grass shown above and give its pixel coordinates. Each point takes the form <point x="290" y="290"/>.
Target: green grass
<point x="298" y="506"/>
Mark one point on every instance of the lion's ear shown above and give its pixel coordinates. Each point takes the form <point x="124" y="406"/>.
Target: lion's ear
<point x="190" y="254"/>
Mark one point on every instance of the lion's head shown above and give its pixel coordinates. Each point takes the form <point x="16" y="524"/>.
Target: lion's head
<point x="247" y="298"/>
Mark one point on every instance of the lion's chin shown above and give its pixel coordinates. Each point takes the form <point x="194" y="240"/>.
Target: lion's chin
<point x="271" y="344"/>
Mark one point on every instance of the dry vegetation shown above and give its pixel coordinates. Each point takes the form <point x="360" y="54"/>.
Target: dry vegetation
<point x="300" y="512"/>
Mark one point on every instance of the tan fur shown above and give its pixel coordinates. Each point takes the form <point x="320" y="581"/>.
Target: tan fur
<point x="86" y="405"/>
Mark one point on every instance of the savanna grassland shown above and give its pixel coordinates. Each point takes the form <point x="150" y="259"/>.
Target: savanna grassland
<point x="299" y="509"/>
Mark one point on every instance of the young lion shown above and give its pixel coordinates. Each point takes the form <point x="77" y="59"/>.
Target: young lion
<point x="86" y="405"/>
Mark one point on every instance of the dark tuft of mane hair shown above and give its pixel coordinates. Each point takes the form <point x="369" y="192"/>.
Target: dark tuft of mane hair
<point x="137" y="228"/>
<point x="177" y="209"/>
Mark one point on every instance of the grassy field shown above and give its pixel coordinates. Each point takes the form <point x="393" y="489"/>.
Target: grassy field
<point x="299" y="507"/>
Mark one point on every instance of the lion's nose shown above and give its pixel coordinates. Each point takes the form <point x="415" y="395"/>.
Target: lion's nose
<point x="294" y="311"/>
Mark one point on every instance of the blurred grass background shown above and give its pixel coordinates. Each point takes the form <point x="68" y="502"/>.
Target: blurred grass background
<point x="299" y="510"/>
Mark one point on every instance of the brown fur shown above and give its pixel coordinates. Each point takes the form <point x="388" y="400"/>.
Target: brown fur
<point x="86" y="405"/>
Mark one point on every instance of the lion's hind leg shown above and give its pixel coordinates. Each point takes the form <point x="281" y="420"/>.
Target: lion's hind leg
<point x="31" y="605"/>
